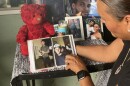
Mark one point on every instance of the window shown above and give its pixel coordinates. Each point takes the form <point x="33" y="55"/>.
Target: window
<point x="11" y="6"/>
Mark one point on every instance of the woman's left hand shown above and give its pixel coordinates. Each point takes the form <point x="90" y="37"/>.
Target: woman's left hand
<point x="74" y="63"/>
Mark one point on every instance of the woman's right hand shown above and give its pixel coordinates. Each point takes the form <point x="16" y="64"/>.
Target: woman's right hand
<point x="74" y="63"/>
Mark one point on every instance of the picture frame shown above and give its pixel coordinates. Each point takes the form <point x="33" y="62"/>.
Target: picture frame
<point x="61" y="28"/>
<point x="93" y="26"/>
<point x="75" y="27"/>
<point x="92" y="9"/>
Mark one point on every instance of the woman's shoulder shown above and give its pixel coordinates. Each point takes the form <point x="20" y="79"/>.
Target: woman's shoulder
<point x="117" y="44"/>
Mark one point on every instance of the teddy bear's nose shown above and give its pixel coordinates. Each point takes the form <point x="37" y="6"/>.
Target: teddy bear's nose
<point x="38" y="19"/>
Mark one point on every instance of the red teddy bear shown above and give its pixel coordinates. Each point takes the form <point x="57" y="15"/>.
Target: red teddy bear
<point x="36" y="26"/>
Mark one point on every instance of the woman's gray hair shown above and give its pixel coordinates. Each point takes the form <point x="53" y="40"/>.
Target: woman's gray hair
<point x="118" y="8"/>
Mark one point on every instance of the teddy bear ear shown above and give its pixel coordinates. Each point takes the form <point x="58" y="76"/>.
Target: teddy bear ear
<point x="43" y="5"/>
<point x="24" y="6"/>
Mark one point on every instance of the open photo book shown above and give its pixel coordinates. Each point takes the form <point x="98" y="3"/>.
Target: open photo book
<point x="48" y="54"/>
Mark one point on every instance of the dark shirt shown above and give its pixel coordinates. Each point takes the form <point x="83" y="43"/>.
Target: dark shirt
<point x="122" y="78"/>
<point x="60" y="60"/>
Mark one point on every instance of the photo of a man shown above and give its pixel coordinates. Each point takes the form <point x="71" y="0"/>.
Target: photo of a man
<point x="44" y="50"/>
<point x="43" y="53"/>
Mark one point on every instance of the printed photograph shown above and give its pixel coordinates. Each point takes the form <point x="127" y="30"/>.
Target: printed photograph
<point x="62" y="46"/>
<point x="61" y="28"/>
<point x="75" y="27"/>
<point x="48" y="54"/>
<point x="43" y="53"/>
<point x="84" y="8"/>
<point x="94" y="28"/>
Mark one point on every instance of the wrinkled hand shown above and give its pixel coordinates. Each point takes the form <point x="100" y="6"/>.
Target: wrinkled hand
<point x="74" y="63"/>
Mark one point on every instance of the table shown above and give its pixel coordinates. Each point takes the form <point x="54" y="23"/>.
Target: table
<point x="21" y="65"/>
<point x="55" y="74"/>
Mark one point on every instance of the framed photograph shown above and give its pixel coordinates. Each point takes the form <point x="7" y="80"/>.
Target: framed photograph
<point x="71" y="9"/>
<point x="94" y="28"/>
<point x="75" y="27"/>
<point x="48" y="54"/>
<point x="61" y="28"/>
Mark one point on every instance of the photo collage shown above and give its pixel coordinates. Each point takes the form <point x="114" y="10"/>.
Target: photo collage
<point x="70" y="20"/>
<point x="71" y="26"/>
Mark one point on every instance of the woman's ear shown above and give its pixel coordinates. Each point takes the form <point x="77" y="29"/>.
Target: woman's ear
<point x="127" y="21"/>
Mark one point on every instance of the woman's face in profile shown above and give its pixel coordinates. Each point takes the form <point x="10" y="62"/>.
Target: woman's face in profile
<point x="113" y="25"/>
<point x="82" y="6"/>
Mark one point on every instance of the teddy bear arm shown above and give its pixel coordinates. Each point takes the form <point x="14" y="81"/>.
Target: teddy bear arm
<point x="22" y="35"/>
<point x="49" y="28"/>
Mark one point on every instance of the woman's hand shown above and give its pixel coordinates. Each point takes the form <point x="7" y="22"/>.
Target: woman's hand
<point x="74" y="63"/>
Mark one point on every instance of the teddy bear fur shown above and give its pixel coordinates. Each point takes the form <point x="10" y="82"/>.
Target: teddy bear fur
<point x="36" y="26"/>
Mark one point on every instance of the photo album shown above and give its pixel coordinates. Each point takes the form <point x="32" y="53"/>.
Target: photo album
<point x="48" y="54"/>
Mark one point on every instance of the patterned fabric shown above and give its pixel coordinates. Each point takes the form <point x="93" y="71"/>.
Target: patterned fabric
<point x="21" y="64"/>
<point x="102" y="78"/>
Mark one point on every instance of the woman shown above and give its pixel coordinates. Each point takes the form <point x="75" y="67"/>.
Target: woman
<point x="96" y="34"/>
<point x="90" y="28"/>
<point x="116" y="15"/>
